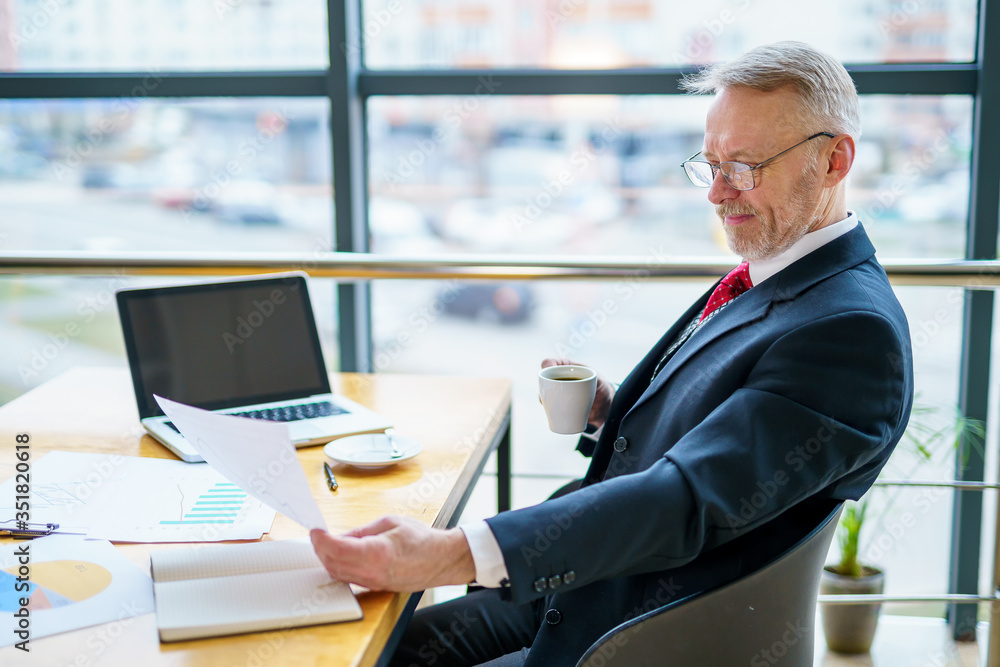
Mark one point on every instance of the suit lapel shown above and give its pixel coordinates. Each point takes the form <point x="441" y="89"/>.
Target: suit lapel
<point x="838" y="255"/>
<point x="746" y="309"/>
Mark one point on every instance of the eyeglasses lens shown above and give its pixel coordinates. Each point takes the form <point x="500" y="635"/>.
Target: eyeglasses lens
<point x="738" y="175"/>
<point x="700" y="173"/>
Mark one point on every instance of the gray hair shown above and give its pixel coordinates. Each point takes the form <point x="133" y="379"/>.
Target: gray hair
<point x="826" y="89"/>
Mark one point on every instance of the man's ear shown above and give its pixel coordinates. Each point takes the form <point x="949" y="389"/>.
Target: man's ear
<point x="839" y="160"/>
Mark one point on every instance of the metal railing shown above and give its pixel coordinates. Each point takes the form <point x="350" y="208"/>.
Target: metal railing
<point x="359" y="267"/>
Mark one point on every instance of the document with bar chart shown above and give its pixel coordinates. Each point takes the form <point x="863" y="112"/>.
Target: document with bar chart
<point x="181" y="509"/>
<point x="132" y="499"/>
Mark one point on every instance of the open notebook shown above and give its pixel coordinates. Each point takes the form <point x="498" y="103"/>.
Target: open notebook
<point x="231" y="589"/>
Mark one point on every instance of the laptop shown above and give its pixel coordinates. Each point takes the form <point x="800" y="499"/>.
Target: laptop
<point x="243" y="346"/>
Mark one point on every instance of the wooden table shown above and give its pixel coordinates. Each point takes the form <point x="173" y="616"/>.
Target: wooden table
<point x="459" y="421"/>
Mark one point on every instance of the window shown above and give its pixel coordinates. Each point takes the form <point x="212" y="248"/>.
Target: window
<point x="598" y="175"/>
<point x="116" y="35"/>
<point x="581" y="34"/>
<point x="134" y="173"/>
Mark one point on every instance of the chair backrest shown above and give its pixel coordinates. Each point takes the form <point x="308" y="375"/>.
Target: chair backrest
<point x="762" y="618"/>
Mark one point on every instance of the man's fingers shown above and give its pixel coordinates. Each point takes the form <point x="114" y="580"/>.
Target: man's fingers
<point x="325" y="544"/>
<point x="324" y="547"/>
<point x="339" y="549"/>
<point x="602" y="403"/>
<point x="396" y="553"/>
<point x="320" y="539"/>
<point x="350" y="559"/>
<point x="376" y="527"/>
<point x="558" y="361"/>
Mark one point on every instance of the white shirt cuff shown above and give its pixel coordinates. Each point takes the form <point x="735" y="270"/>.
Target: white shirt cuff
<point x="486" y="554"/>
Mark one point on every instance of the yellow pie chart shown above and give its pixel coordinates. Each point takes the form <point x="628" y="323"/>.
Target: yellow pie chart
<point x="62" y="582"/>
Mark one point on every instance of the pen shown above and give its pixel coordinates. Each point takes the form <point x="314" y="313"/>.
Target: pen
<point x="331" y="481"/>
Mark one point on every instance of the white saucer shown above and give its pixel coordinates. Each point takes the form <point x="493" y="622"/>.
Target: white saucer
<point x="371" y="450"/>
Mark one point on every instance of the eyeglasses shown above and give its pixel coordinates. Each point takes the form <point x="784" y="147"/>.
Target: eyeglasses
<point x="738" y="174"/>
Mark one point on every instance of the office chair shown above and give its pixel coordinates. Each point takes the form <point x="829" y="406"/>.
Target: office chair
<point x="762" y="618"/>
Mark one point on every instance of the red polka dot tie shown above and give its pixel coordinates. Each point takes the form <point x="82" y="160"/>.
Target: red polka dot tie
<point x="735" y="283"/>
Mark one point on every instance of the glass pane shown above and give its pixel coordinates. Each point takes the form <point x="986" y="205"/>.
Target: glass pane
<point x="140" y="174"/>
<point x="630" y="33"/>
<point x="908" y="532"/>
<point x="990" y="504"/>
<point x="601" y="175"/>
<point x="53" y="324"/>
<point x="910" y="182"/>
<point x="159" y="35"/>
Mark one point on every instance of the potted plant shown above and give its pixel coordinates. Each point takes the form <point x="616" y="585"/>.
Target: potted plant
<point x="851" y="628"/>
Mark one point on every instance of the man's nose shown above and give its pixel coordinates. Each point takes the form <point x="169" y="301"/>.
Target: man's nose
<point x="721" y="190"/>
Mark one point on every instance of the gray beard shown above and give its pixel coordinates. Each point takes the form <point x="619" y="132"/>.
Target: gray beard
<point x="768" y="243"/>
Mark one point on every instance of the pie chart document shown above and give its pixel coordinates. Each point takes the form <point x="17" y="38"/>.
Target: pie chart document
<point x="72" y="583"/>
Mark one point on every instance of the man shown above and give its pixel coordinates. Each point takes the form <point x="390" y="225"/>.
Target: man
<point x="781" y="391"/>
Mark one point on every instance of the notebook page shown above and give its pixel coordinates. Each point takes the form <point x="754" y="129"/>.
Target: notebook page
<point x="251" y="602"/>
<point x="232" y="559"/>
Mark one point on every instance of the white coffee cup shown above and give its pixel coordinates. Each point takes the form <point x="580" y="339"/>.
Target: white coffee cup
<point x="566" y="393"/>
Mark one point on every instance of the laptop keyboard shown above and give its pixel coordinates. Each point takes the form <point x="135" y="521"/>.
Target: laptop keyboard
<point x="288" y="413"/>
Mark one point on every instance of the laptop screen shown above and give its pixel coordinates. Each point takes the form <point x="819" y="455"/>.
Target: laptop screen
<point x="222" y="345"/>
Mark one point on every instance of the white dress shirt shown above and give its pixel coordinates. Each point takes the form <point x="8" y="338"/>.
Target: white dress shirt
<point x="486" y="554"/>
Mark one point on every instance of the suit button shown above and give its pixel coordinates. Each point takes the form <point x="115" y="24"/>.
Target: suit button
<point x="540" y="584"/>
<point x="553" y="616"/>
<point x="621" y="444"/>
<point x="555" y="582"/>
<point x="569" y="577"/>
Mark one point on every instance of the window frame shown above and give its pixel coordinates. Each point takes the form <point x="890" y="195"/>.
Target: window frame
<point x="348" y="84"/>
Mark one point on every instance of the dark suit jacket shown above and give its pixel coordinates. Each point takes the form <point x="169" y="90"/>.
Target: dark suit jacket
<point x="791" y="398"/>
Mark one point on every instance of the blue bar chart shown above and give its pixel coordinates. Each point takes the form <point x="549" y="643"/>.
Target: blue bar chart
<point x="133" y="499"/>
<point x="220" y="504"/>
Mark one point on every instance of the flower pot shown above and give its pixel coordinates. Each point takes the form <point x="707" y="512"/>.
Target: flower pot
<point x="850" y="628"/>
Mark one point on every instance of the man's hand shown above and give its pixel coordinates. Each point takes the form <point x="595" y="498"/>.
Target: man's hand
<point x="602" y="399"/>
<point x="396" y="554"/>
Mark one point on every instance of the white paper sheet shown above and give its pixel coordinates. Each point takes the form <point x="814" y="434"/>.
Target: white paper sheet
<point x="134" y="499"/>
<point x="256" y="455"/>
<point x="73" y="583"/>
